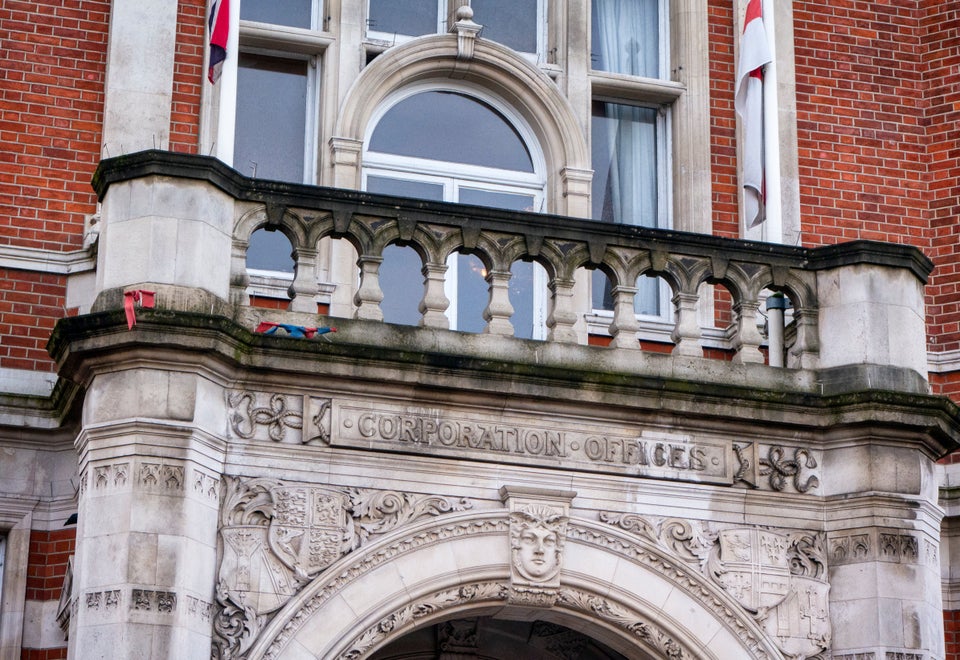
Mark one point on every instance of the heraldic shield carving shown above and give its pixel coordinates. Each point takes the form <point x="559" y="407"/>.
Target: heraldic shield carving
<point x="755" y="571"/>
<point x="308" y="528"/>
<point x="781" y="578"/>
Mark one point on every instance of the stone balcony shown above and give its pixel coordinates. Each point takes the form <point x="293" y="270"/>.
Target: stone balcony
<point x="179" y="223"/>
<point x="839" y="445"/>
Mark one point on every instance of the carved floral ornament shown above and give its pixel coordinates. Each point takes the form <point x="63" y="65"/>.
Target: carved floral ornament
<point x="276" y="537"/>
<point x="778" y="576"/>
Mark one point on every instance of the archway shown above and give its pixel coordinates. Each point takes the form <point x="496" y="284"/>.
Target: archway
<point x="614" y="586"/>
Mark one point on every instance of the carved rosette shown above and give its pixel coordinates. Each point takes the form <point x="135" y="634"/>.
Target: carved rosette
<point x="275" y="537"/>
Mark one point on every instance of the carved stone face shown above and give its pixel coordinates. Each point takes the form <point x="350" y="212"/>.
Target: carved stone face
<point x="537" y="553"/>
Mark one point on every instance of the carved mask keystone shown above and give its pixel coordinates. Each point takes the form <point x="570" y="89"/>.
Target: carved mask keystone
<point x="538" y="529"/>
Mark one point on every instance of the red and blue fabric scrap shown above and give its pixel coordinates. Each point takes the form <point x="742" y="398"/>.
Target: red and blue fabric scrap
<point x="296" y="331"/>
<point x="219" y="28"/>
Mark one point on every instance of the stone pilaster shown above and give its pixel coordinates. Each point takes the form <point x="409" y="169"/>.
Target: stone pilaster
<point x="148" y="501"/>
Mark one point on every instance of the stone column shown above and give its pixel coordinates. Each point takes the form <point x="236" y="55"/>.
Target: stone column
<point x="150" y="467"/>
<point x="883" y="549"/>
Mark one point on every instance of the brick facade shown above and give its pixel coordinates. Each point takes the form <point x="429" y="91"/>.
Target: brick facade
<point x="878" y="110"/>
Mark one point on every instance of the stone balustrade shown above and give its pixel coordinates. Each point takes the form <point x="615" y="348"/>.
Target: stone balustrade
<point x="854" y="303"/>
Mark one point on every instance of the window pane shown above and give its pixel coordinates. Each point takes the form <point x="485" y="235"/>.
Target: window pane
<point x="270" y="250"/>
<point x="295" y="13"/>
<point x="521" y="297"/>
<point x="646" y="301"/>
<point x="271" y="117"/>
<point x="624" y="143"/>
<point x="473" y="293"/>
<point x="625" y="37"/>
<point x="496" y="199"/>
<point x="401" y="280"/>
<point x="402" y="188"/>
<point x="512" y="23"/>
<point x="451" y="127"/>
<point x="407" y="17"/>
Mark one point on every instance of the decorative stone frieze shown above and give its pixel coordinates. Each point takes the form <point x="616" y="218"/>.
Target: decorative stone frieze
<point x="150" y="600"/>
<point x="276" y="536"/>
<point x="643" y="629"/>
<point x="778" y="576"/>
<point x="160" y="475"/>
<point x="892" y="546"/>
<point x="260" y="416"/>
<point x="422" y="608"/>
<point x="110" y="477"/>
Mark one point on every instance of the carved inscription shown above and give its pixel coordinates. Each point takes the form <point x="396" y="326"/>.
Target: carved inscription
<point x="641" y="452"/>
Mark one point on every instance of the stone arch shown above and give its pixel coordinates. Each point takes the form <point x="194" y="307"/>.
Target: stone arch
<point x="493" y="68"/>
<point x="617" y="586"/>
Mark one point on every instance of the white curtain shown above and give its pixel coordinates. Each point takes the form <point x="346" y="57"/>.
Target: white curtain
<point x="628" y="32"/>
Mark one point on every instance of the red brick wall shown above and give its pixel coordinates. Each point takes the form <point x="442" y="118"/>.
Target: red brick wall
<point x="47" y="565"/>
<point x="940" y="26"/>
<point x="52" y="54"/>
<point x="951" y="626"/>
<point x="861" y="130"/>
<point x="30" y="304"/>
<point x="723" y="121"/>
<point x="188" y="76"/>
<point x="46" y="568"/>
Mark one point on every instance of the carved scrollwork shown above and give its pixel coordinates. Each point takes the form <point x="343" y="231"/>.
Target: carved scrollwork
<point x="686" y="540"/>
<point x="278" y="416"/>
<point x="779" y="470"/>
<point x="378" y="512"/>
<point x="644" y="630"/>
<point x="276" y="536"/>
<point x="423" y="607"/>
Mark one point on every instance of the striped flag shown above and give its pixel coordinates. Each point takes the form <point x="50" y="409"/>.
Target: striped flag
<point x="754" y="55"/>
<point x="219" y="28"/>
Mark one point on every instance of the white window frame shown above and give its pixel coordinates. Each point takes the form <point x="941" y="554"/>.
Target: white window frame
<point x="659" y="93"/>
<point x="663" y="46"/>
<point x="275" y="41"/>
<point x="461" y="175"/>
<point x="446" y="11"/>
<point x="388" y="38"/>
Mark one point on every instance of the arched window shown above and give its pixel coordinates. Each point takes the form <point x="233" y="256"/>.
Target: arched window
<point x="450" y="144"/>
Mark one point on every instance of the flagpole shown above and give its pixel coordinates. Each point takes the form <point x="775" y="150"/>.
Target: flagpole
<point x="773" y="226"/>
<point x="226" y="126"/>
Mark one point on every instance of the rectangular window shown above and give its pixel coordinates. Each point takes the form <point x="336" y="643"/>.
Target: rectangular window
<point x="292" y="13"/>
<point x="513" y="23"/>
<point x="267" y="99"/>
<point x="518" y="24"/>
<point x="271" y="119"/>
<point x="625" y="37"/>
<point x="410" y="18"/>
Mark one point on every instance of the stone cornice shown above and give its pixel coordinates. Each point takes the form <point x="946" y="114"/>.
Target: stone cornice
<point x="484" y="368"/>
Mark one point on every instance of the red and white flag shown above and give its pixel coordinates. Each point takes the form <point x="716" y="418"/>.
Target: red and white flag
<point x="754" y="55"/>
<point x="219" y="29"/>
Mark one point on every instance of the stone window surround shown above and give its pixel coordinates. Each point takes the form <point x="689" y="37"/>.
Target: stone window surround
<point x="15" y="523"/>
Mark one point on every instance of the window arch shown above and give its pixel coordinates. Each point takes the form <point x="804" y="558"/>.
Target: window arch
<point x="452" y="143"/>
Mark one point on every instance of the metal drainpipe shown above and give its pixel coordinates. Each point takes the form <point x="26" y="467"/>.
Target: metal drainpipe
<point x="776" y="304"/>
